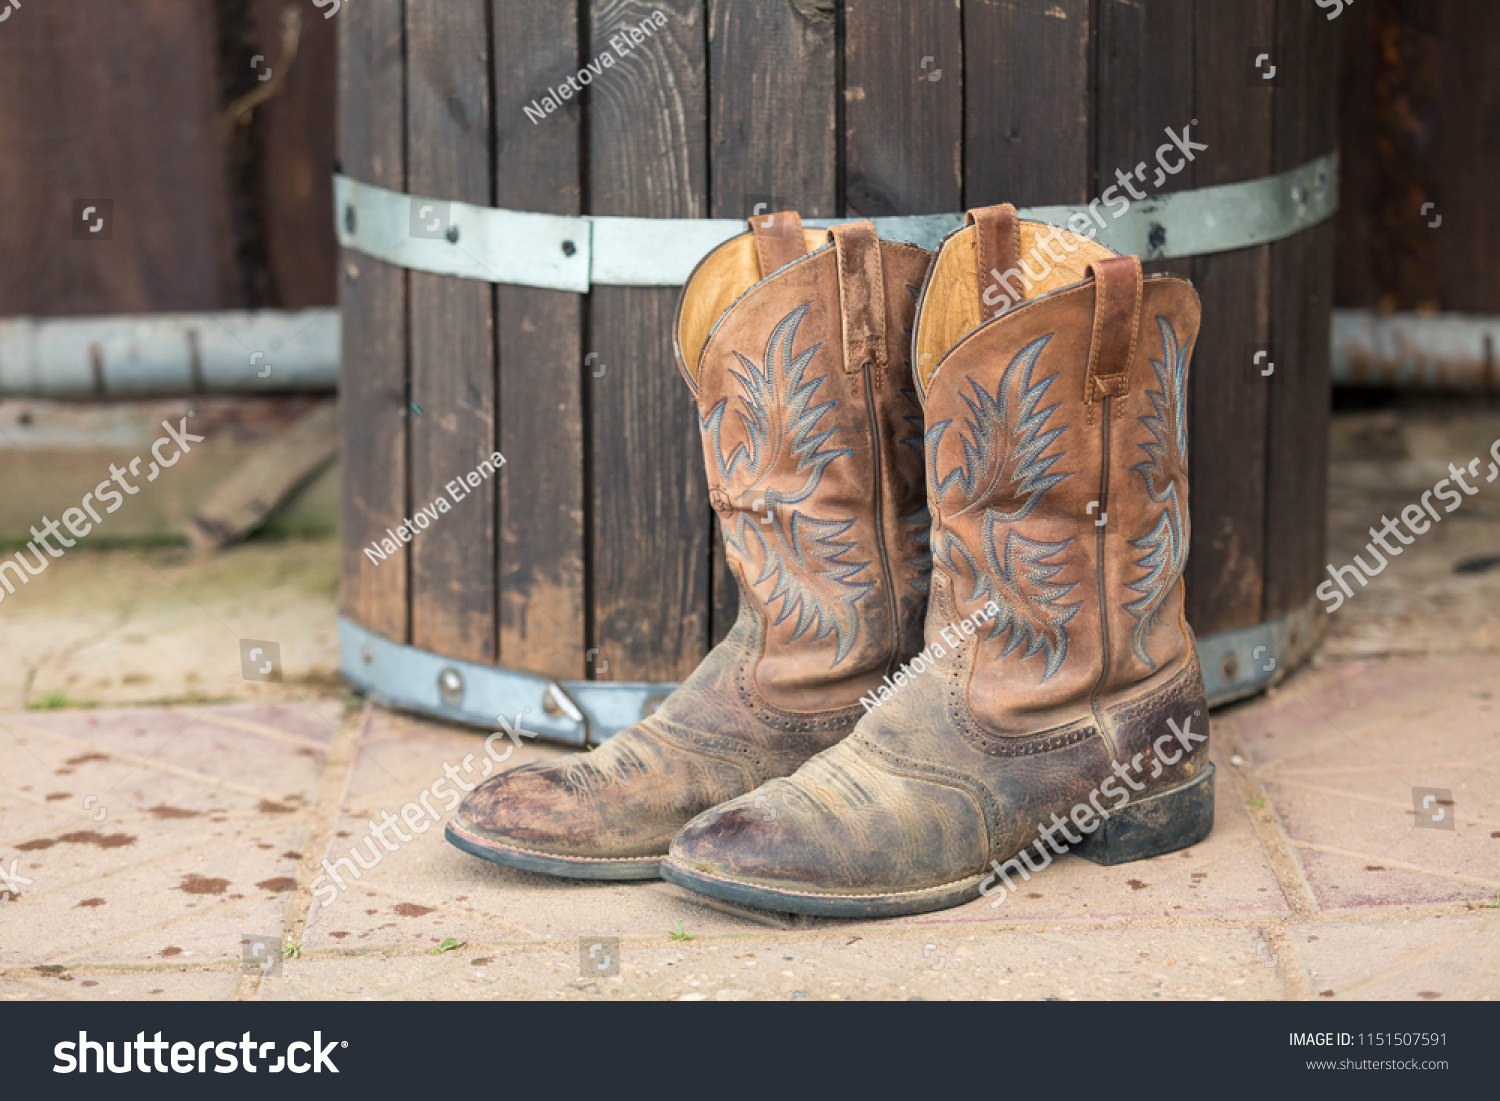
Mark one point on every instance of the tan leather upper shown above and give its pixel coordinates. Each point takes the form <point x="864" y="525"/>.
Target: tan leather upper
<point x="1042" y="505"/>
<point x="812" y="439"/>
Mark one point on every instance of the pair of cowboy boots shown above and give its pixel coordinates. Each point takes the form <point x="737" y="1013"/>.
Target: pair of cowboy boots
<point x="953" y="492"/>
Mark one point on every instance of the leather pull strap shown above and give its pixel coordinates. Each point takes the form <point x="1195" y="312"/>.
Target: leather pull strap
<point x="1117" y="326"/>
<point x="778" y="240"/>
<point x="997" y="254"/>
<point x="861" y="298"/>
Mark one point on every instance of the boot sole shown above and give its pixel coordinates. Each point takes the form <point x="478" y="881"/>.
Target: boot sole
<point x="897" y="904"/>
<point x="565" y="867"/>
<point x="1159" y="824"/>
<point x="1155" y="825"/>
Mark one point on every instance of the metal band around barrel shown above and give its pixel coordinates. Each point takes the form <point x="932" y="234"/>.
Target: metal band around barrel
<point x="586" y="713"/>
<point x="578" y="712"/>
<point x="574" y="253"/>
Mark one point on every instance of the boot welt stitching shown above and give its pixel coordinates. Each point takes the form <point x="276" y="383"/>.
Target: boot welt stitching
<point x="560" y="856"/>
<point x="1178" y="688"/>
<point x="817" y="894"/>
<point x="786" y="720"/>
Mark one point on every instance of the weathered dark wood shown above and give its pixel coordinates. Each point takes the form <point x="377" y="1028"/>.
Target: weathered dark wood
<point x="268" y="477"/>
<point x="1145" y="85"/>
<point x="1465" y="117"/>
<point x="1358" y="282"/>
<point x="774" y="140"/>
<point x="372" y="371"/>
<point x="452" y="336"/>
<point x="1227" y="416"/>
<point x="903" y="133"/>
<point x="1301" y="300"/>
<point x="106" y="103"/>
<point x="649" y="501"/>
<point x="1028" y="127"/>
<point x="296" y="191"/>
<point x="542" y="607"/>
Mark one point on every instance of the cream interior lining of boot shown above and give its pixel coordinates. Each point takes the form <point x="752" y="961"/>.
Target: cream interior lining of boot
<point x="725" y="274"/>
<point x="950" y="308"/>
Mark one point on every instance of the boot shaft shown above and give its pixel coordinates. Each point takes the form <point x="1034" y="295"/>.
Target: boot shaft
<point x="795" y="344"/>
<point x="1054" y="384"/>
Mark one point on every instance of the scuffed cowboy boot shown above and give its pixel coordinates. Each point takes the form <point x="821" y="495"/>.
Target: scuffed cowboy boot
<point x="794" y="343"/>
<point x="1059" y="700"/>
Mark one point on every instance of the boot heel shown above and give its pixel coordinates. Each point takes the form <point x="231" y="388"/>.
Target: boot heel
<point x="1157" y="824"/>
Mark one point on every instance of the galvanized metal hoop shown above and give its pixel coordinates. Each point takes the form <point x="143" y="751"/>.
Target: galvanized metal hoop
<point x="573" y="253"/>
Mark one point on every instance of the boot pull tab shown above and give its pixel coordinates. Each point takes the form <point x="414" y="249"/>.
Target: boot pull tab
<point x="778" y="240"/>
<point x="861" y="298"/>
<point x="1117" y="325"/>
<point x="997" y="256"/>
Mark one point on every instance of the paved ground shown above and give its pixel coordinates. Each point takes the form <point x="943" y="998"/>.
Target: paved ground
<point x="150" y="838"/>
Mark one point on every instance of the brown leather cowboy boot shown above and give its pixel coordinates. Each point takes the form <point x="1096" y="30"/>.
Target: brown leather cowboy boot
<point x="794" y="343"/>
<point x="1058" y="703"/>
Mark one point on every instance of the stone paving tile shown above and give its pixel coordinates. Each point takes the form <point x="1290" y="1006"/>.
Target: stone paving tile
<point x="356" y="978"/>
<point x="195" y="835"/>
<point x="1382" y="462"/>
<point x="112" y="626"/>
<point x="128" y="986"/>
<point x="24" y="815"/>
<point x="427" y="890"/>
<point x="1339" y="750"/>
<point x="1438" y="956"/>
<point x="1200" y="963"/>
<point x="192" y="903"/>
<point x="251" y="758"/>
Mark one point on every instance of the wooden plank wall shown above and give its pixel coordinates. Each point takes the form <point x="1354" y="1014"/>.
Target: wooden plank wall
<point x="606" y="544"/>
<point x="113" y="105"/>
<point x="1419" y="122"/>
<point x="1301" y="300"/>
<point x="122" y="104"/>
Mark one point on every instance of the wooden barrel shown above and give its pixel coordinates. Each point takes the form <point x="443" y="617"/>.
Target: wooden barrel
<point x="593" y="555"/>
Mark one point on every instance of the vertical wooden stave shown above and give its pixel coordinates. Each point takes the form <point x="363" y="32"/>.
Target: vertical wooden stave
<point x="542" y="612"/>
<point x="1227" y="415"/>
<point x="1028" y="128"/>
<point x="452" y="337"/>
<point x="903" y="133"/>
<point x="1298" y="409"/>
<point x="373" y="300"/>
<point x="648" y="500"/>
<point x="1145" y="85"/>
